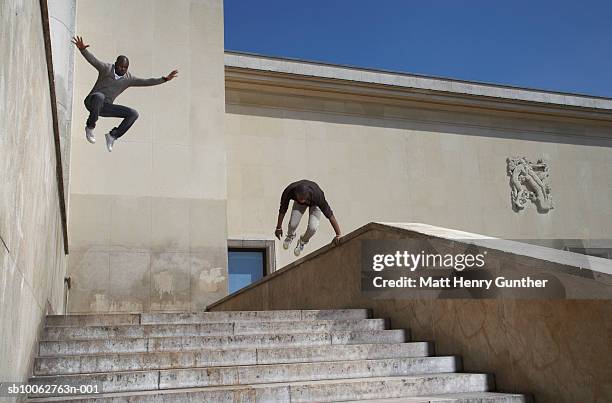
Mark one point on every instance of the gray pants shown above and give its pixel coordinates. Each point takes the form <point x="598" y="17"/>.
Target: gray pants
<point x="314" y="217"/>
<point x="97" y="107"/>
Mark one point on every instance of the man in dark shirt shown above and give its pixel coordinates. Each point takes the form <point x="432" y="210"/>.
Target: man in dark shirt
<point x="305" y="194"/>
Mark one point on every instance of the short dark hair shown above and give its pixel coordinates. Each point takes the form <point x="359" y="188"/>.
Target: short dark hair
<point x="121" y="59"/>
<point x="302" y="190"/>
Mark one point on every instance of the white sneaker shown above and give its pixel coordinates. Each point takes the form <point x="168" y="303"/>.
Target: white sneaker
<point x="109" y="141"/>
<point x="89" y="135"/>
<point x="299" y="247"/>
<point x="288" y="240"/>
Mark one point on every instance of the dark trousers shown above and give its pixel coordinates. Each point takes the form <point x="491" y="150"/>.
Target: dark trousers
<point x="97" y="107"/>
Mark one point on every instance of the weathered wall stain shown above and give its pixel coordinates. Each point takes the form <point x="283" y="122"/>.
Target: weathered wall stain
<point x="100" y="303"/>
<point x="211" y="280"/>
<point x="163" y="283"/>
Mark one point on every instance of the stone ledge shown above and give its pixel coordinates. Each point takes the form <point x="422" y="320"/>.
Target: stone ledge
<point x="413" y="81"/>
<point x="570" y="263"/>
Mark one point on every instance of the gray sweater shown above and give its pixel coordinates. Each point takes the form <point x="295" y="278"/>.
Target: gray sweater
<point x="111" y="87"/>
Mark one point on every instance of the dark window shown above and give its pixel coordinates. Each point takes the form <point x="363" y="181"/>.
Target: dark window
<point x="245" y="267"/>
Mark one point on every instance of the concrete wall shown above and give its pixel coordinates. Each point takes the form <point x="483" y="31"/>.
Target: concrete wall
<point x="32" y="260"/>
<point x="147" y="221"/>
<point x="62" y="21"/>
<point x="557" y="350"/>
<point x="381" y="160"/>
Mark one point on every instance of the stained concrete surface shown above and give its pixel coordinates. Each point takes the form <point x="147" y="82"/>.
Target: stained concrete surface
<point x="32" y="260"/>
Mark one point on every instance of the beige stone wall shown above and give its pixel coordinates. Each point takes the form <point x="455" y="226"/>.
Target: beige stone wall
<point x="62" y="19"/>
<point x="394" y="163"/>
<point x="32" y="260"/>
<point x="147" y="221"/>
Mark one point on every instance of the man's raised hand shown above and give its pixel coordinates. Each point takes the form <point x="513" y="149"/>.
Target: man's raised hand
<point x="78" y="41"/>
<point x="173" y="73"/>
<point x="336" y="241"/>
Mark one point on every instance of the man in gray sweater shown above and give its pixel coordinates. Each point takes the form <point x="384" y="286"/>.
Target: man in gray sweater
<point x="112" y="80"/>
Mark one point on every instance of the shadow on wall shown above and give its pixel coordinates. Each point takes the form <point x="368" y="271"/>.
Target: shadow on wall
<point x="464" y="123"/>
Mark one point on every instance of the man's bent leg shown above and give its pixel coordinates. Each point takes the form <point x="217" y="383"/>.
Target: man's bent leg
<point x="314" y="218"/>
<point x="129" y="116"/>
<point x="297" y="211"/>
<point x="94" y="104"/>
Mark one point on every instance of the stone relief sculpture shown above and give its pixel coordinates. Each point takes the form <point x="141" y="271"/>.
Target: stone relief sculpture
<point x="528" y="181"/>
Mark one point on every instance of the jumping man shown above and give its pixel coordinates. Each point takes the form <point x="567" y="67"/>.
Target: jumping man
<point x="305" y="194"/>
<point x="112" y="80"/>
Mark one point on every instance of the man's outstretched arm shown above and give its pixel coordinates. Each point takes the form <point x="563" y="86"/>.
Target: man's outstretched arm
<point x="147" y="82"/>
<point x="78" y="41"/>
<point x="334" y="223"/>
<point x="327" y="211"/>
<point x="278" y="232"/>
<point x="282" y="210"/>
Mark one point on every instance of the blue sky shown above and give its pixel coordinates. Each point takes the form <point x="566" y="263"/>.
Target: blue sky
<point x="555" y="45"/>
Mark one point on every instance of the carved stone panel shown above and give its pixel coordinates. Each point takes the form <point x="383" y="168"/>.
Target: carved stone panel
<point x="529" y="181"/>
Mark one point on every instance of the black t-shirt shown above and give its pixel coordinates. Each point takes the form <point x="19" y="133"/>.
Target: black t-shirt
<point x="317" y="197"/>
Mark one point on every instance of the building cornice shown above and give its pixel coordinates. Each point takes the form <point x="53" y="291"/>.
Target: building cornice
<point x="285" y="75"/>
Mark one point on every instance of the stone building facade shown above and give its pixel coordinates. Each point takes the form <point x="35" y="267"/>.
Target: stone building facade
<point x="207" y="160"/>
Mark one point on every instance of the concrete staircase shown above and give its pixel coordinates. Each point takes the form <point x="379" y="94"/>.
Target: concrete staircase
<point x="280" y="356"/>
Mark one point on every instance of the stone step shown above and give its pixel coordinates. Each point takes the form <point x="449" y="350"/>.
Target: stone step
<point x="252" y="374"/>
<point x="205" y="317"/>
<point x="239" y="316"/>
<point x="311" y="391"/>
<point x="159" y="344"/>
<point x="225" y="357"/>
<point x="478" y="397"/>
<point x="93" y="319"/>
<point x="57" y="333"/>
